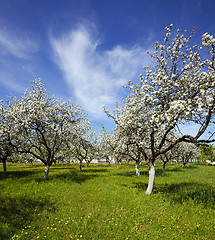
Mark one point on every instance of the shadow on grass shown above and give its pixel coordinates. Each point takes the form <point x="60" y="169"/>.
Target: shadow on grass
<point x="138" y="185"/>
<point x="72" y="176"/>
<point x="15" y="213"/>
<point x="181" y="192"/>
<point x="19" y="174"/>
<point x="93" y="170"/>
<point x="129" y="173"/>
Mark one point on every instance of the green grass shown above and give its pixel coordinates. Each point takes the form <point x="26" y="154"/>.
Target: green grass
<point x="105" y="203"/>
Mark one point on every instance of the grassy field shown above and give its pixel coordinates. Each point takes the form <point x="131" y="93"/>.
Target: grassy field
<point x="103" y="202"/>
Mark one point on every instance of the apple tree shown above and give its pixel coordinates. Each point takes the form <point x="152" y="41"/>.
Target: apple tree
<point x="43" y="123"/>
<point x="179" y="89"/>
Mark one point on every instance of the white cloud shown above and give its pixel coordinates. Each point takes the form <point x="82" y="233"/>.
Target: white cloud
<point x="94" y="75"/>
<point x="18" y="44"/>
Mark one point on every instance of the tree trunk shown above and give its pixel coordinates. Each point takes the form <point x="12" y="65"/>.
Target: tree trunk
<point x="151" y="178"/>
<point x="164" y="165"/>
<point x="4" y="167"/>
<point x="184" y="163"/>
<point x="62" y="164"/>
<point x="80" y="167"/>
<point x="137" y="168"/>
<point x="46" y="174"/>
<point x="117" y="165"/>
<point x="88" y="163"/>
<point x="25" y="164"/>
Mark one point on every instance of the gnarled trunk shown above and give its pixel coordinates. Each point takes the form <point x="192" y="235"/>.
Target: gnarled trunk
<point x="137" y="168"/>
<point x="46" y="173"/>
<point x="151" y="178"/>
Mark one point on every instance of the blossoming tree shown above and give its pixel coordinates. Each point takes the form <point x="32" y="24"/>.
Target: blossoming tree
<point x="43" y="124"/>
<point x="180" y="89"/>
<point x="83" y="143"/>
<point x="6" y="135"/>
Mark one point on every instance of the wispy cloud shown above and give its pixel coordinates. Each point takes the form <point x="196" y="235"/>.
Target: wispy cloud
<point x="16" y="43"/>
<point x="94" y="75"/>
<point x="10" y="82"/>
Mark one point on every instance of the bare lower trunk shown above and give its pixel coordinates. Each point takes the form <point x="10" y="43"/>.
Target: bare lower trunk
<point x="164" y="165"/>
<point x="117" y="165"/>
<point x="184" y="163"/>
<point x="46" y="174"/>
<point x="62" y="164"/>
<point x="151" y="178"/>
<point x="5" y="167"/>
<point x="88" y="164"/>
<point x="80" y="167"/>
<point x="137" y="168"/>
<point x="25" y="164"/>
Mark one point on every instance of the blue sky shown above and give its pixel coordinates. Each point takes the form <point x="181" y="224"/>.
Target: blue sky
<point x="86" y="50"/>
